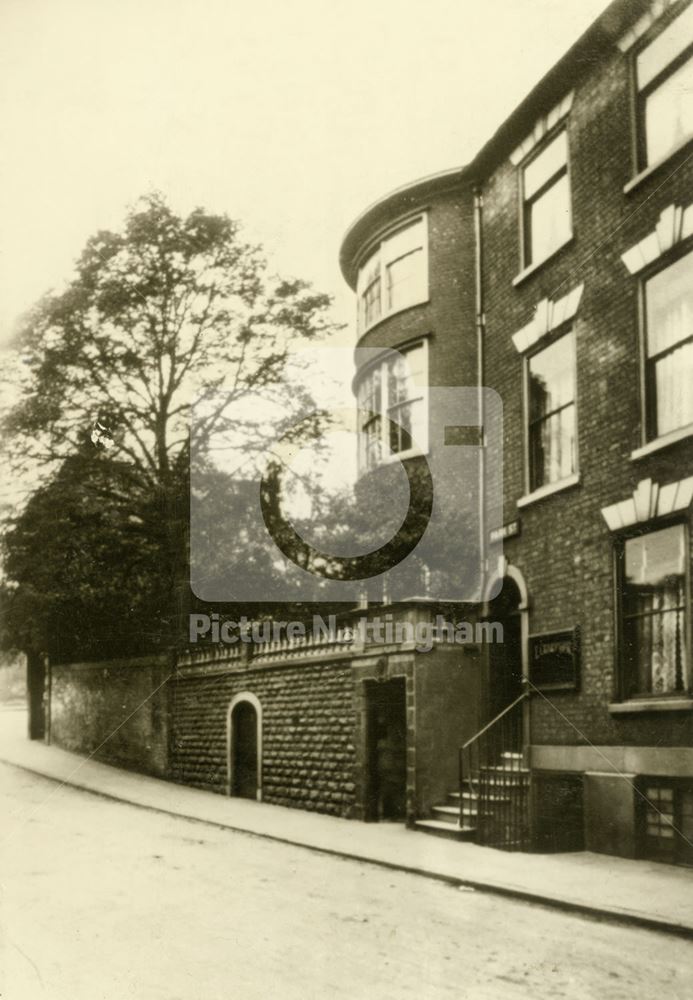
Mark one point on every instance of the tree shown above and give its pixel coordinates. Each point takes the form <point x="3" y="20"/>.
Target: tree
<point x="83" y="567"/>
<point x="166" y="310"/>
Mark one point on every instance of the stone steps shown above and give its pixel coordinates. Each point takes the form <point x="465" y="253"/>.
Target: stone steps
<point x="445" y="816"/>
<point x="441" y="828"/>
<point x="451" y="814"/>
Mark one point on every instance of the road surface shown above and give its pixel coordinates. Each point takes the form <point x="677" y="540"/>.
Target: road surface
<point x="104" y="901"/>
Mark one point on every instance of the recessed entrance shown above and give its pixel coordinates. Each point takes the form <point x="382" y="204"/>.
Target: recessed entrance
<point x="386" y="743"/>
<point x="505" y="658"/>
<point x="36" y="684"/>
<point x="245" y="748"/>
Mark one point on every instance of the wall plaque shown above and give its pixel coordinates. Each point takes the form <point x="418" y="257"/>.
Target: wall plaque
<point x="554" y="660"/>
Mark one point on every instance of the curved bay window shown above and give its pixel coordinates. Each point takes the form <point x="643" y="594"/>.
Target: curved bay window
<point x="395" y="275"/>
<point x="669" y="347"/>
<point x="392" y="407"/>
<point x="653" y="587"/>
<point x="552" y="420"/>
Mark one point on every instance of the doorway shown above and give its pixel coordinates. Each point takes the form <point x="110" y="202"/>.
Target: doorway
<point x="386" y="735"/>
<point x="244" y="749"/>
<point x="36" y="695"/>
<point x="505" y="658"/>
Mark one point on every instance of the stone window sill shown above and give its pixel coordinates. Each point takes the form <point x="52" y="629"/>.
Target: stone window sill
<point x="663" y="442"/>
<point x="636" y="181"/>
<point x="651" y="705"/>
<point x="531" y="268"/>
<point x="548" y="490"/>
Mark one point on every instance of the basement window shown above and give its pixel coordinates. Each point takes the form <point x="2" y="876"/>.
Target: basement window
<point x="666" y="827"/>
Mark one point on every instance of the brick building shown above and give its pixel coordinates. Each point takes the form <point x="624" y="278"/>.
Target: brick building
<point x="554" y="269"/>
<point x="574" y="224"/>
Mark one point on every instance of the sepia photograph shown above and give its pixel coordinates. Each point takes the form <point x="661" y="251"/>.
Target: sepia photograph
<point x="346" y="500"/>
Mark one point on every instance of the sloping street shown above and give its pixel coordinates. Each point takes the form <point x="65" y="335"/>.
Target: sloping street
<point x="104" y="900"/>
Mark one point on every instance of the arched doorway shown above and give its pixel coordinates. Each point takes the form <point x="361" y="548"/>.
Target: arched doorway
<point x="505" y="683"/>
<point x="245" y="747"/>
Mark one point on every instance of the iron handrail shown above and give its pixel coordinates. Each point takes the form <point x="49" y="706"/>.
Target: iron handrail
<point x="489" y="725"/>
<point x="499" y="801"/>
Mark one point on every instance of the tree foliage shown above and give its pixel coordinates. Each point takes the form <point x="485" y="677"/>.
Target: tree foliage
<point x="163" y="311"/>
<point x="106" y="373"/>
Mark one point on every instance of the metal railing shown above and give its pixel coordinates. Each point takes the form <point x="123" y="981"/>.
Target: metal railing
<point x="495" y="782"/>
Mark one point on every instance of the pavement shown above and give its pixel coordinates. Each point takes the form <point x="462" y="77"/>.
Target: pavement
<point x="101" y="900"/>
<point x="641" y="893"/>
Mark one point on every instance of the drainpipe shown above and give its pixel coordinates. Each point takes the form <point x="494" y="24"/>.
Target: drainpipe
<point x="480" y="374"/>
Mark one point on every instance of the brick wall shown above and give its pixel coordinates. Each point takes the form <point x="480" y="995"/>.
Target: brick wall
<point x="565" y="550"/>
<point x="308" y="733"/>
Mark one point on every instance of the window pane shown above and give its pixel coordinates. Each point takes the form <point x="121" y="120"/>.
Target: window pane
<point x="654" y="646"/>
<point x="368" y="272"/>
<point x="371" y="307"/>
<point x="370" y="418"/>
<point x="661" y="837"/>
<point x="653" y="607"/>
<point x="552" y="431"/>
<point x="665" y="48"/>
<point x="552" y="377"/>
<point x="406" y="283"/>
<point x="669" y="113"/>
<point x="405" y="376"/>
<point x="669" y="299"/>
<point x="406" y="427"/>
<point x="395" y="275"/>
<point x="669" y="314"/>
<point x="368" y="291"/>
<point x="549" y="162"/>
<point x="400" y="429"/>
<point x="405" y="386"/>
<point x="674" y="389"/>
<point x="552" y="448"/>
<point x="373" y="442"/>
<point x="655" y="559"/>
<point x="416" y="359"/>
<point x="370" y="395"/>
<point x="404" y="241"/>
<point x="548" y="219"/>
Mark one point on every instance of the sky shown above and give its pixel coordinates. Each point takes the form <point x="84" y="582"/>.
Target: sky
<point x="291" y="116"/>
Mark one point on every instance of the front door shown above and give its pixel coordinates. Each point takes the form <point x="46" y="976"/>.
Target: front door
<point x="244" y="751"/>
<point x="505" y="659"/>
<point x="387" y="749"/>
